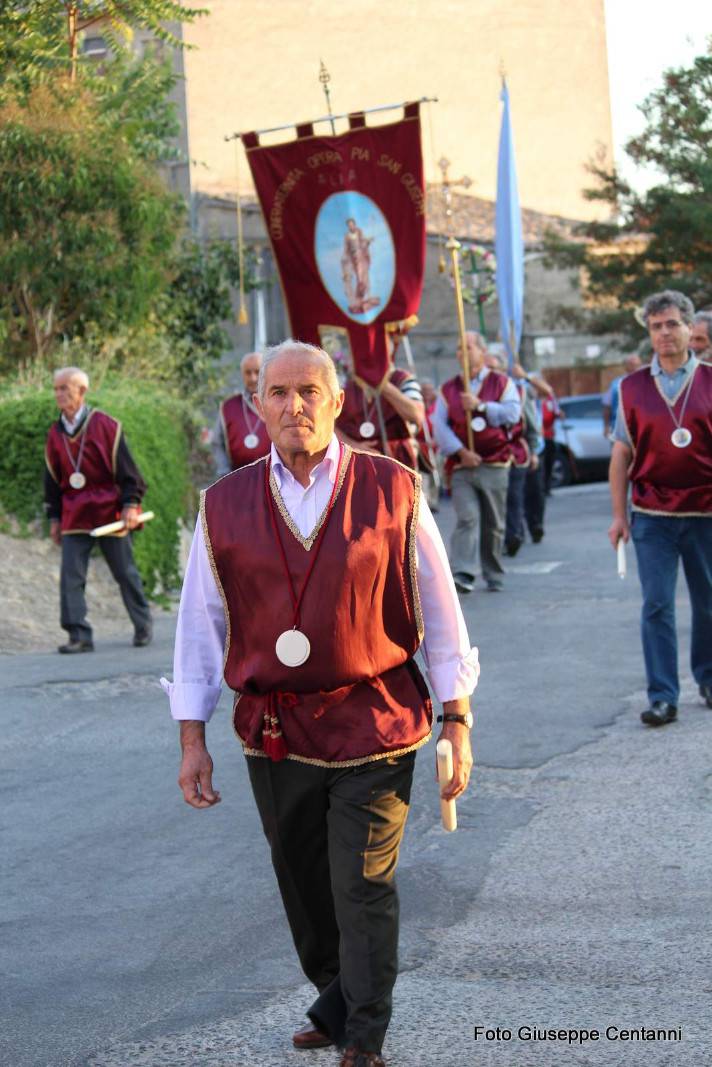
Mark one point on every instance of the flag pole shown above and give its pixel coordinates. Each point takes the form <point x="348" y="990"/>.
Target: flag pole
<point x="453" y="246"/>
<point x="325" y="78"/>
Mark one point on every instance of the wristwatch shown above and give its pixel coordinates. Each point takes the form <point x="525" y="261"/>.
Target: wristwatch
<point x="465" y="720"/>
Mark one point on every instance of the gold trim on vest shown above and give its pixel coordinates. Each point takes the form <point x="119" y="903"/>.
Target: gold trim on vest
<point x="307" y="542"/>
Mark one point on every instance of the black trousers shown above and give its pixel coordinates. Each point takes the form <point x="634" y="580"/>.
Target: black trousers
<point x="334" y="834"/>
<point x="117" y="552"/>
<point x="535" y="500"/>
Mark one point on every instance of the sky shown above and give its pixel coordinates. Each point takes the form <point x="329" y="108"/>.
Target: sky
<point x="645" y="37"/>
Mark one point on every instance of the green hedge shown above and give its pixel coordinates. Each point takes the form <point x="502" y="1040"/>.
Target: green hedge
<point x="158" y="432"/>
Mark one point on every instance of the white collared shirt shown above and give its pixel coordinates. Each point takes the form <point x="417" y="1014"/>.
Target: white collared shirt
<point x="451" y="664"/>
<point x="71" y="425"/>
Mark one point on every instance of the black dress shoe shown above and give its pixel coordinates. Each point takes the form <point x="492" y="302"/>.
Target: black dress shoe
<point x="310" y="1037"/>
<point x="537" y="534"/>
<point x="143" y="638"/>
<point x="76" y="646"/>
<point x="660" y="713"/>
<point x="706" y="694"/>
<point x="512" y="546"/>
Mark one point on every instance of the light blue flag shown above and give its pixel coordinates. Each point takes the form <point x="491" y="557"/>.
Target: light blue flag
<point x="509" y="247"/>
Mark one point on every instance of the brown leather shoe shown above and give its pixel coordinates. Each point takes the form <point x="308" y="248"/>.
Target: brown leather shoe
<point x="354" y="1057"/>
<point x="310" y="1037"/>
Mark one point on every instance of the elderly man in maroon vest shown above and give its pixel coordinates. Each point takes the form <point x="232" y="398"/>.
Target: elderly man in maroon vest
<point x="240" y="436"/>
<point x="480" y="475"/>
<point x="403" y="410"/>
<point x="313" y="577"/>
<point x="663" y="447"/>
<point x="91" y="480"/>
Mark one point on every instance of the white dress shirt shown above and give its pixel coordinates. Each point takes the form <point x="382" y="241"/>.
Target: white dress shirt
<point x="452" y="665"/>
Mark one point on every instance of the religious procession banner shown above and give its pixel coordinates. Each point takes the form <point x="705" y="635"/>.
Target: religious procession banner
<point x="345" y="215"/>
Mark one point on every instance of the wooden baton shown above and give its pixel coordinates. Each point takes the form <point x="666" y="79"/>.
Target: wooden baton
<point x="448" y="811"/>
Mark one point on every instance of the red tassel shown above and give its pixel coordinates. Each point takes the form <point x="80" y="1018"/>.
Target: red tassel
<point x="273" y="743"/>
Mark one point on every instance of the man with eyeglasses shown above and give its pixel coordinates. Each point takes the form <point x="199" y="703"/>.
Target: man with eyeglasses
<point x="663" y="448"/>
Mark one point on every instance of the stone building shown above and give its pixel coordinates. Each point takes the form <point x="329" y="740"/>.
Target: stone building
<point x="254" y="66"/>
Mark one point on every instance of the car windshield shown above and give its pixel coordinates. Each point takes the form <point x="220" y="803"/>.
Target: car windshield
<point x="583" y="407"/>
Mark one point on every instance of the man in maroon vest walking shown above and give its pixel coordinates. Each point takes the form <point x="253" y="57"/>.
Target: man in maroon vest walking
<point x="403" y="410"/>
<point x="240" y="436"/>
<point x="91" y="479"/>
<point x="480" y="475"/>
<point x="314" y="575"/>
<point x="663" y="448"/>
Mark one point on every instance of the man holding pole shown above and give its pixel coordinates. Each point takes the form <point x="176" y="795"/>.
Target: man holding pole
<point x="90" y="480"/>
<point x="471" y="423"/>
<point x="663" y="447"/>
<point x="313" y="575"/>
<point x="386" y="419"/>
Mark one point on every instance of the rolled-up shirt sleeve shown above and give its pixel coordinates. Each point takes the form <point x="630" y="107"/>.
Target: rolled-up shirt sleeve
<point x="446" y="439"/>
<point x="507" y="410"/>
<point x="200" y="640"/>
<point x="452" y="664"/>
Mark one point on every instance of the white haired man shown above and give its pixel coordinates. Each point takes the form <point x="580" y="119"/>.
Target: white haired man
<point x="663" y="448"/>
<point x="480" y="475"/>
<point x="91" y="479"/>
<point x="314" y="574"/>
<point x="240" y="436"/>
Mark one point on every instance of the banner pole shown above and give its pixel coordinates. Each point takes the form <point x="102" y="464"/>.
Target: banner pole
<point x="453" y="246"/>
<point x="332" y="118"/>
<point x="325" y="78"/>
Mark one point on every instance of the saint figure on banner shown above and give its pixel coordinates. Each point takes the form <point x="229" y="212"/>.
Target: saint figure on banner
<point x="355" y="266"/>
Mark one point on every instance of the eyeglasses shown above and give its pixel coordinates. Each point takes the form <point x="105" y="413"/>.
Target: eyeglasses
<point x="669" y="324"/>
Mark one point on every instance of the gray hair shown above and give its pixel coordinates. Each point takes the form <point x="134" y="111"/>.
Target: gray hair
<point x="669" y="298"/>
<point x="300" y="348"/>
<point x="74" y="373"/>
<point x="706" y="318"/>
<point x="249" y="355"/>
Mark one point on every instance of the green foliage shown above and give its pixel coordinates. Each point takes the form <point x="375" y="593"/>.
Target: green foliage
<point x="196" y="305"/>
<point x="85" y="225"/>
<point x="660" y="238"/>
<point x="160" y="436"/>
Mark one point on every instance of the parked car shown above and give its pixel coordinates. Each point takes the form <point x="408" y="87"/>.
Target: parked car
<point x="582" y="452"/>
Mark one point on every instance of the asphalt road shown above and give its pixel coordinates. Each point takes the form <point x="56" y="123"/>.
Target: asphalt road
<point x="575" y="892"/>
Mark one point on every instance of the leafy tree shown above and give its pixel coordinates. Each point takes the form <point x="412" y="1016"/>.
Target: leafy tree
<point x="85" y="224"/>
<point x="659" y="238"/>
<point x="43" y="35"/>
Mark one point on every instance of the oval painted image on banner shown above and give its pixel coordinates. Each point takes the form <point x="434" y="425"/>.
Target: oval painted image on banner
<point x="355" y="255"/>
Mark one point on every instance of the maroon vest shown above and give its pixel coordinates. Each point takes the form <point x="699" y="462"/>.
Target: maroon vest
<point x="356" y="410"/>
<point x="492" y="443"/>
<point x="668" y="480"/>
<point x="99" y="501"/>
<point x="237" y="425"/>
<point x="359" y="696"/>
<point x="521" y="456"/>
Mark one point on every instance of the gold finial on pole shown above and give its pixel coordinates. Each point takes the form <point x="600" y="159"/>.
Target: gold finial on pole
<point x="453" y="246"/>
<point x="325" y="78"/>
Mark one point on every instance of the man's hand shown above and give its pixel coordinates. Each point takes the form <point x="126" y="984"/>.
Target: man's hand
<point x="534" y="462"/>
<point x="468" y="459"/>
<point x="196" y="769"/>
<point x="129" y="516"/>
<point x="618" y="528"/>
<point x="55" y="531"/>
<point x="470" y="401"/>
<point x="459" y="736"/>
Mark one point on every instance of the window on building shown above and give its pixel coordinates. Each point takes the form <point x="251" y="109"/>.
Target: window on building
<point x="94" y="47"/>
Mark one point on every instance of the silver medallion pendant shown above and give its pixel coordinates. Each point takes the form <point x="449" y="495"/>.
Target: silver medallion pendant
<point x="292" y="648"/>
<point x="251" y="441"/>
<point x="367" y="429"/>
<point x="478" y="424"/>
<point x="77" y="480"/>
<point x="681" y="437"/>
